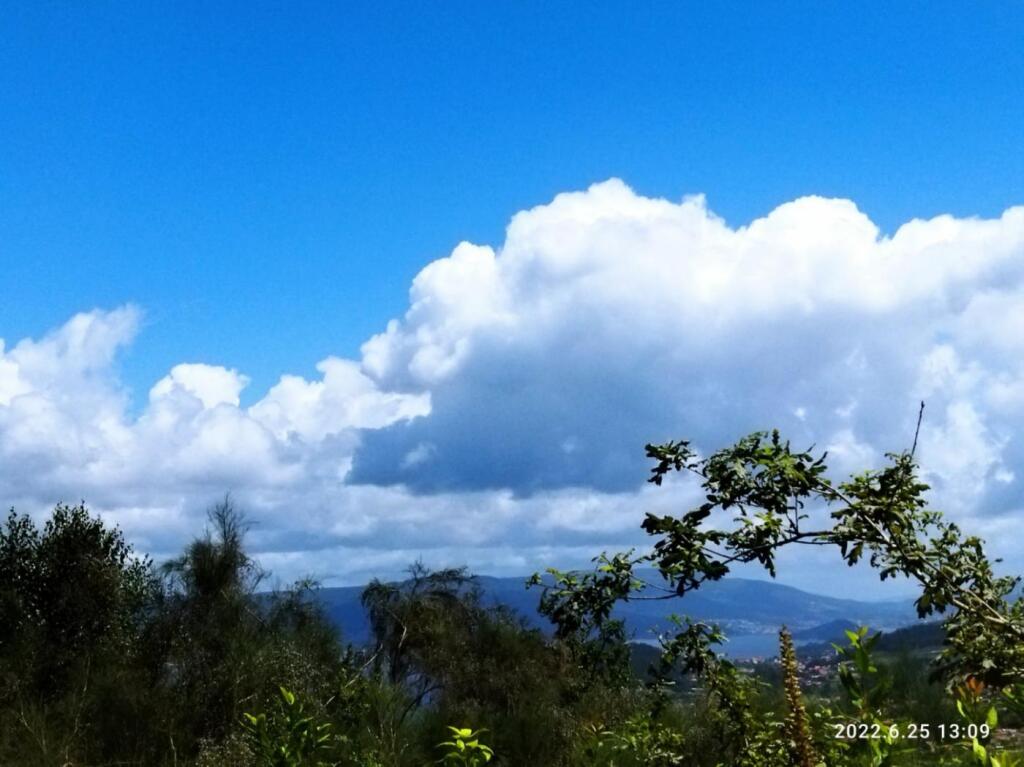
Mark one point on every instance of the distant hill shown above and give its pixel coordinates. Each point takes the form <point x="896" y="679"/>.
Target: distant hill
<point x="825" y="632"/>
<point x="922" y="636"/>
<point x="745" y="606"/>
<point x="749" y="611"/>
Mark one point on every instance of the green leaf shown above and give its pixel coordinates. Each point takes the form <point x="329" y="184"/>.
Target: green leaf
<point x="979" y="751"/>
<point x="992" y="717"/>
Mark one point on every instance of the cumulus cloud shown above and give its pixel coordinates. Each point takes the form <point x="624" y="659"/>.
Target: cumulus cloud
<point x="66" y="431"/>
<point x="501" y="420"/>
<point x="345" y="399"/>
<point x="607" y="319"/>
<point x="209" y="384"/>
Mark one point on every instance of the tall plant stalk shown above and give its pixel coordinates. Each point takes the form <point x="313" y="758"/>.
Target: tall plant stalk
<point x="796" y="721"/>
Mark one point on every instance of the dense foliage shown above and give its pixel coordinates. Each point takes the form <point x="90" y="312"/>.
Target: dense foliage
<point x="107" y="659"/>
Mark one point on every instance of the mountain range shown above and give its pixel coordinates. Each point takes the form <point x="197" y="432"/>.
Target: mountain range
<point x="750" y="612"/>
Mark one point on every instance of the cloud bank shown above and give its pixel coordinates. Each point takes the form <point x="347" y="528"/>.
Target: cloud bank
<point x="501" y="420"/>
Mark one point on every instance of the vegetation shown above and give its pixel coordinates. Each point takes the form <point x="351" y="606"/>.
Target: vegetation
<point x="465" y="748"/>
<point x="796" y="720"/>
<point x="108" y="659"/>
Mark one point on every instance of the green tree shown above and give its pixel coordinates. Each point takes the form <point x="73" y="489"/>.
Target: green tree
<point x="71" y="591"/>
<point x="766" y="486"/>
<point x="457" y="659"/>
<point x="217" y="644"/>
<point x="74" y="598"/>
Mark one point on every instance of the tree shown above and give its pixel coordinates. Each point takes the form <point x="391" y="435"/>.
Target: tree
<point x="767" y="487"/>
<point x="74" y="600"/>
<point x="68" y="593"/>
<point x="458" y="659"/>
<point x="217" y="644"/>
<point x="404" y="615"/>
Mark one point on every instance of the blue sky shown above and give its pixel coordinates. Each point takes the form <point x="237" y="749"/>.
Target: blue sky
<point x="263" y="182"/>
<point x="265" y="179"/>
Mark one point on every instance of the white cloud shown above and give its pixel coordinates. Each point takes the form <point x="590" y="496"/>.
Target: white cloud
<point x="503" y="417"/>
<point x="210" y="384"/>
<point x="962" y="457"/>
<point x="344" y="399"/>
<point x="66" y="432"/>
<point x="607" y="319"/>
